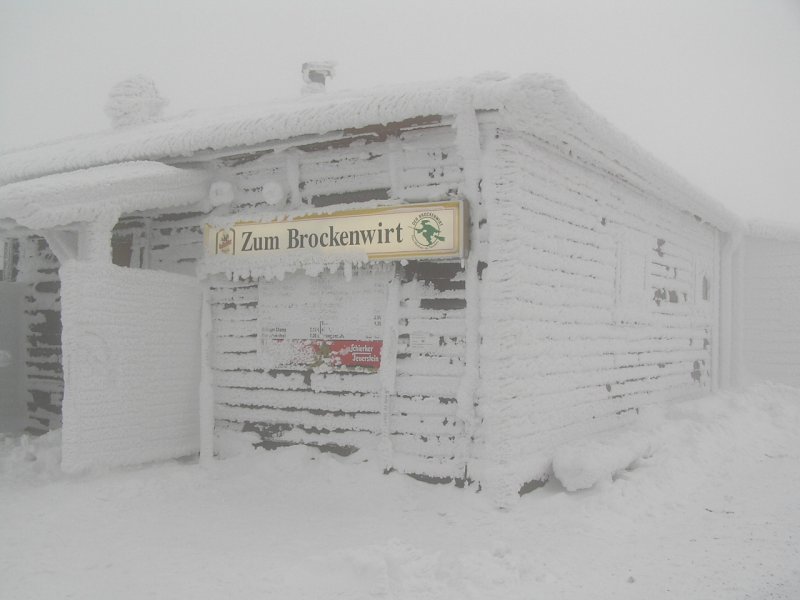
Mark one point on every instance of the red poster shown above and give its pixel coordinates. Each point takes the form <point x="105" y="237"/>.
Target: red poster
<point x="344" y="354"/>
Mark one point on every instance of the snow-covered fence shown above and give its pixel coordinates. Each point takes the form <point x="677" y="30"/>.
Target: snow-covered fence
<point x="131" y="341"/>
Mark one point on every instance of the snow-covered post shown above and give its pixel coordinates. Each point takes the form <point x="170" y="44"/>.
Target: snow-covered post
<point x="395" y="169"/>
<point x="730" y="312"/>
<point x="206" y="392"/>
<point x="737" y="334"/>
<point x="220" y="196"/>
<point x="64" y="244"/>
<point x="388" y="370"/>
<point x="293" y="177"/>
<point x="94" y="238"/>
<point x="468" y="144"/>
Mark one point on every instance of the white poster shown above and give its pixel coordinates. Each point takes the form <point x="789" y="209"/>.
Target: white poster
<point x="326" y="323"/>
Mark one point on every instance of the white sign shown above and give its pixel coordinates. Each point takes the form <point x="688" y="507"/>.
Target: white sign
<point x="430" y="230"/>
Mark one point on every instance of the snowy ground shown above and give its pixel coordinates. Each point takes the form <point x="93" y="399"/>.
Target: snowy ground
<point x="712" y="511"/>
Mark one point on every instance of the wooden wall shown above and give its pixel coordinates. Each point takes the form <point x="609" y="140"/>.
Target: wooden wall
<point x="38" y="267"/>
<point x="164" y="241"/>
<point x="414" y="160"/>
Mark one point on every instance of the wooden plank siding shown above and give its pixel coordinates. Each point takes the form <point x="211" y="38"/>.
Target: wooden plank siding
<point x="592" y="303"/>
<point x="174" y="245"/>
<point x="176" y="241"/>
<point x="44" y="376"/>
<point x="336" y="411"/>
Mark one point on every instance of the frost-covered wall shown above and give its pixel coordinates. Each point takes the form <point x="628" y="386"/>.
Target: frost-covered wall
<point x="597" y="300"/>
<point x="164" y="241"/>
<point x="416" y="419"/>
<point x="131" y="351"/>
<point x="600" y="298"/>
<point x="159" y="240"/>
<point x="175" y="241"/>
<point x="771" y="319"/>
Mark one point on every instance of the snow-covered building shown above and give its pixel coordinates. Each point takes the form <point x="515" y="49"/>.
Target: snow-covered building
<point x="461" y="276"/>
<point x="769" y="331"/>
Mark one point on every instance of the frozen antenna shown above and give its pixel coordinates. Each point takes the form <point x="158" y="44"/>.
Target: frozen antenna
<point x="315" y="74"/>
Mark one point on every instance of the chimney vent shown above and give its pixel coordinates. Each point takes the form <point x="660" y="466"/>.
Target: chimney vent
<point x="315" y="75"/>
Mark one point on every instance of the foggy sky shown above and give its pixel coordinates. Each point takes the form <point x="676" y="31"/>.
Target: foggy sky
<point x="711" y="87"/>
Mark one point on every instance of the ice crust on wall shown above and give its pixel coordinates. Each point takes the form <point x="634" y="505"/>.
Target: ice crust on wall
<point x="567" y="351"/>
<point x="131" y="342"/>
<point x="278" y="267"/>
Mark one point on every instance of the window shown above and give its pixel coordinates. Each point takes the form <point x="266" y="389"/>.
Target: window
<point x="129" y="243"/>
<point x="703" y="275"/>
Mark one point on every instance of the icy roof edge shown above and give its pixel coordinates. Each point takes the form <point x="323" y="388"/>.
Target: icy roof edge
<point x="552" y="112"/>
<point x="235" y="127"/>
<point x="773" y="231"/>
<point x="82" y="195"/>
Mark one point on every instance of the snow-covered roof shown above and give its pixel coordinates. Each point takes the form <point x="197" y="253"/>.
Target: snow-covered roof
<point x="773" y="231"/>
<point x="537" y="103"/>
<point x="236" y="127"/>
<point x="83" y="195"/>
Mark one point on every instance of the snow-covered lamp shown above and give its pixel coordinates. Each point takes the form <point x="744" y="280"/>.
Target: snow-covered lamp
<point x="220" y="193"/>
<point x="273" y="193"/>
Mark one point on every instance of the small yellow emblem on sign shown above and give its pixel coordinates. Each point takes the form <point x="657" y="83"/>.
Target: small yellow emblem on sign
<point x="225" y="239"/>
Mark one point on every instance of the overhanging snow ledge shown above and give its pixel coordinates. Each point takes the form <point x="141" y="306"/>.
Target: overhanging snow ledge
<point x="82" y="196"/>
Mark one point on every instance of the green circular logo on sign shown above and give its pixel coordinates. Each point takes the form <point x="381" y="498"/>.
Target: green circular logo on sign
<point x="427" y="230"/>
